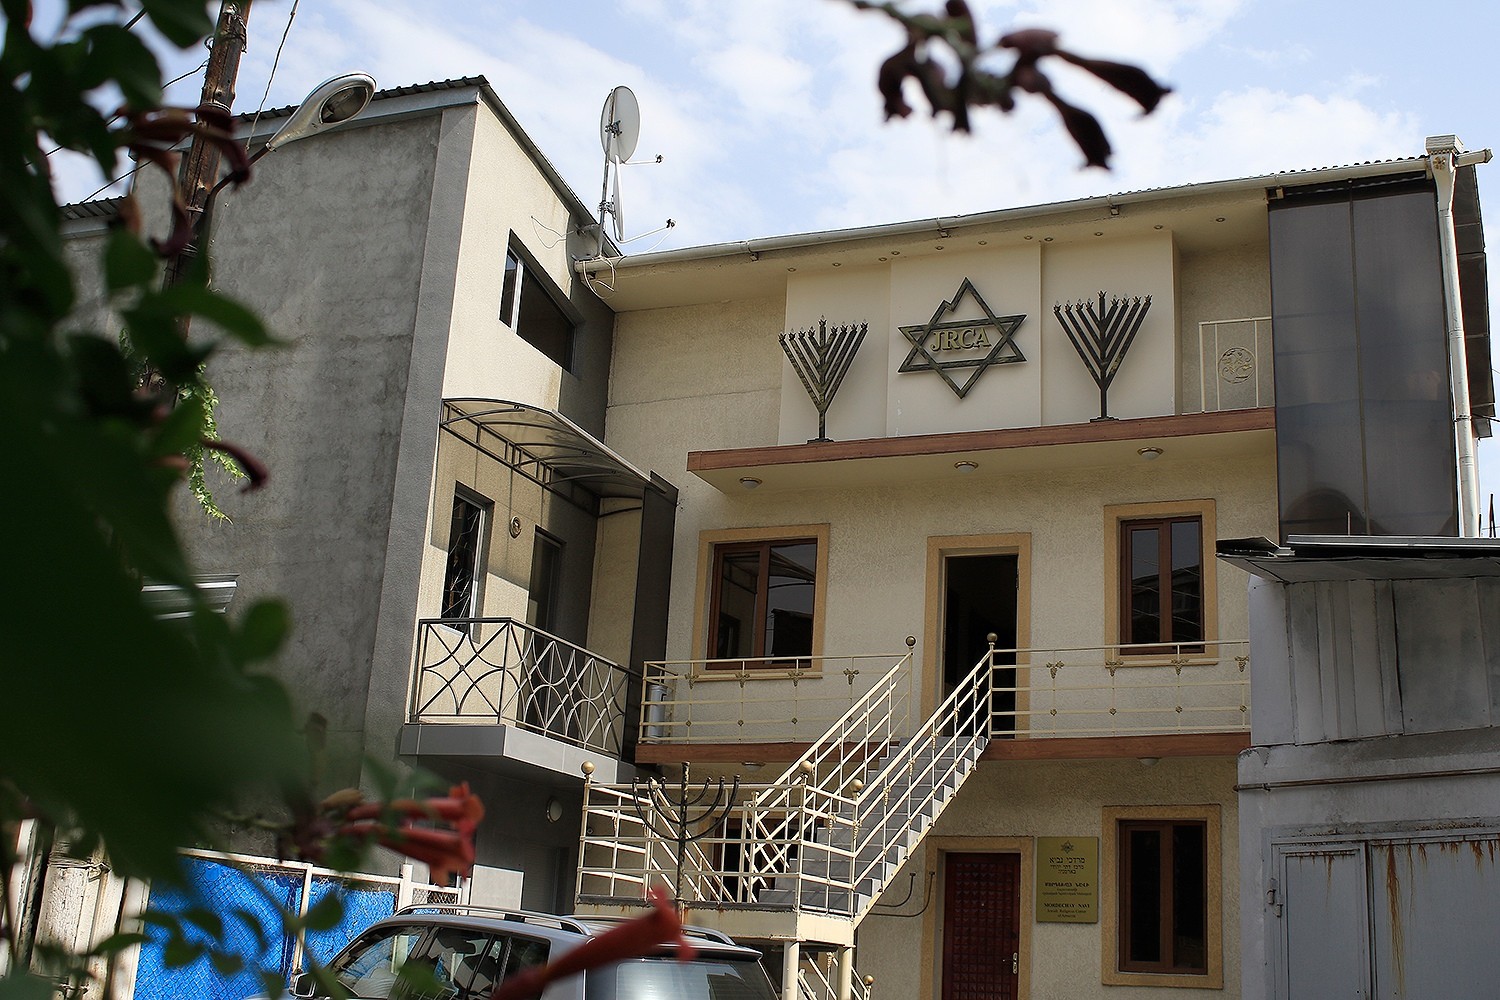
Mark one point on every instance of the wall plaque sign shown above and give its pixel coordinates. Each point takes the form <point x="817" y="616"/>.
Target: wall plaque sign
<point x="1067" y="880"/>
<point x="949" y="346"/>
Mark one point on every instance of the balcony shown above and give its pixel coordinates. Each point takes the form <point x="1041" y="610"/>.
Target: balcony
<point x="807" y="854"/>
<point x="705" y="710"/>
<point x="498" y="688"/>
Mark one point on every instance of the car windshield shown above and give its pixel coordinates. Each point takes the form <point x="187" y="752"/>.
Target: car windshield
<point x="714" y="978"/>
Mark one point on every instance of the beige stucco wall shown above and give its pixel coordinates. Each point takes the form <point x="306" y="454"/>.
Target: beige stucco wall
<point x="1020" y="799"/>
<point x="506" y="194"/>
<point x="1220" y="284"/>
<point x="1051" y="386"/>
<point x="708" y="378"/>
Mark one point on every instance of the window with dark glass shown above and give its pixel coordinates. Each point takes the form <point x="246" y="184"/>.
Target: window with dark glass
<point x="531" y="307"/>
<point x="1161" y="580"/>
<point x="1163" y="895"/>
<point x="763" y="598"/>
<point x="465" y="548"/>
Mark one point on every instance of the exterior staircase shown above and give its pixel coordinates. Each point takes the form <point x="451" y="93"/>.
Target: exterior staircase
<point x="802" y="858"/>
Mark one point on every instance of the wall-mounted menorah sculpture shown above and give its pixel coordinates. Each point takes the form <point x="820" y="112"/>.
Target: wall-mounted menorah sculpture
<point x="1101" y="335"/>
<point x="693" y="815"/>
<point x="821" y="358"/>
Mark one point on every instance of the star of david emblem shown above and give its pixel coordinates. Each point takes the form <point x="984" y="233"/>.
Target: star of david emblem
<point x="964" y="338"/>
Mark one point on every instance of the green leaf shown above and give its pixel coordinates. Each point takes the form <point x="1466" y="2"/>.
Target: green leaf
<point x="261" y="633"/>
<point x="251" y="922"/>
<point x="233" y="318"/>
<point x="184" y="22"/>
<point x="205" y="919"/>
<point x="325" y="914"/>
<point x="127" y="261"/>
<point x="117" y="54"/>
<point x="118" y="942"/>
<point x="179" y="953"/>
<point x="20" y="986"/>
<point x="226" y="964"/>
<point x="182" y="428"/>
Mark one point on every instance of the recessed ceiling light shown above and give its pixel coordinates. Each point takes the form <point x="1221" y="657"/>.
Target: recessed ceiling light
<point x="791" y="269"/>
<point x="1158" y="226"/>
<point x="1098" y="234"/>
<point x="1029" y="237"/>
<point x="882" y="258"/>
<point x="1219" y="219"/>
<point x="749" y="482"/>
<point x="938" y="247"/>
<point x="895" y="253"/>
<point x="966" y="466"/>
<point x="984" y="243"/>
<point x="837" y="264"/>
<point x="1150" y="454"/>
<point x="1046" y="239"/>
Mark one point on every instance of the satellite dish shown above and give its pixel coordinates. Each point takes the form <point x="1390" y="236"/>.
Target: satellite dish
<point x="620" y="125"/>
<point x="619" y="130"/>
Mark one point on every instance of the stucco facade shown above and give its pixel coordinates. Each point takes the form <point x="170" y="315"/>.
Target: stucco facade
<point x="552" y="552"/>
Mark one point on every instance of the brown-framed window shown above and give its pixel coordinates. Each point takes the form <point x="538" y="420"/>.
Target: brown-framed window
<point x="1163" y="896"/>
<point x="1161" y="580"/>
<point x="764" y="593"/>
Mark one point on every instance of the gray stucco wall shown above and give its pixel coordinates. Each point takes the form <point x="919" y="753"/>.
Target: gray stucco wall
<point x="327" y="243"/>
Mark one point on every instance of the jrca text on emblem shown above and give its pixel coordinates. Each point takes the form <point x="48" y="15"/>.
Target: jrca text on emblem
<point x="962" y="340"/>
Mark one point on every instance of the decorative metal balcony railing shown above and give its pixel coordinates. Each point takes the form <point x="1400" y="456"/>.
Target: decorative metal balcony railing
<point x="828" y="834"/>
<point x="759" y="701"/>
<point x="499" y="670"/>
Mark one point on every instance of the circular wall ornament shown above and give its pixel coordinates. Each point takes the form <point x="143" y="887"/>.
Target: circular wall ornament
<point x="1236" y="365"/>
<point x="515" y="527"/>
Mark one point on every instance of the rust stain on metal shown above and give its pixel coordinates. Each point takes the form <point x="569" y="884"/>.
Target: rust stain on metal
<point x="1393" y="903"/>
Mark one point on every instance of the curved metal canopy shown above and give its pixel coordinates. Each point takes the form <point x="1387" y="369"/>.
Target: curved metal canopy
<point x="546" y="447"/>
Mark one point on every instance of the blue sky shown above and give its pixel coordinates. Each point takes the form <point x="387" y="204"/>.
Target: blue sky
<point x="767" y="118"/>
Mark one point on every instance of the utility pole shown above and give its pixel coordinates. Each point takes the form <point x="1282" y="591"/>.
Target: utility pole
<point x="201" y="171"/>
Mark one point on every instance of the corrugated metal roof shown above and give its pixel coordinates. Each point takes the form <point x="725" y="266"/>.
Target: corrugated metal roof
<point x="100" y="208"/>
<point x="433" y="86"/>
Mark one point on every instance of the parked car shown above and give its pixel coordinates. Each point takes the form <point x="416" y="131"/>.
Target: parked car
<point x="466" y="950"/>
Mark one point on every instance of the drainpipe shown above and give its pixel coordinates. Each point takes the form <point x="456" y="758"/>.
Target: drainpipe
<point x="1445" y="155"/>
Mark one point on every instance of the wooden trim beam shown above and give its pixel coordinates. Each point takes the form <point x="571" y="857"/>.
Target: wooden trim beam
<point x="1045" y="748"/>
<point x="1109" y="747"/>
<point x="1183" y="425"/>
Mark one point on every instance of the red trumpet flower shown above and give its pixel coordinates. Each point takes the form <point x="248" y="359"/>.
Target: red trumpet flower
<point x="644" y="935"/>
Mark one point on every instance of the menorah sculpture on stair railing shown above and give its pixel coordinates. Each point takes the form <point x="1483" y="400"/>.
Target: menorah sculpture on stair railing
<point x="694" y="814"/>
<point x="1102" y="336"/>
<point x="821" y="358"/>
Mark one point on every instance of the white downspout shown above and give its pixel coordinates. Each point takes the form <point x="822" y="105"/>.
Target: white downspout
<point x="1445" y="155"/>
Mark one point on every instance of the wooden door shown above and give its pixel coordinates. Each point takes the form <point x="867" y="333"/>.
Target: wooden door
<point x="981" y="926"/>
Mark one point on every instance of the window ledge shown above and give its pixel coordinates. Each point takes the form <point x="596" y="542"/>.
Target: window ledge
<point x="1206" y="981"/>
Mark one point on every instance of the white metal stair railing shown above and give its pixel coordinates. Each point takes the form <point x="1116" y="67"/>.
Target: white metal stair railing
<point x="865" y="837"/>
<point x="815" y="982"/>
<point x="816" y="787"/>
<point x="909" y="791"/>
<point x="620" y="858"/>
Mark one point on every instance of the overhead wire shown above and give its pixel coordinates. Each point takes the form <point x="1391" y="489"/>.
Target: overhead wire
<point x="274" y="63"/>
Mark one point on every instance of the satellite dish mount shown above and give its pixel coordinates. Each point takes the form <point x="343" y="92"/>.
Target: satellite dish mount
<point x="619" y="131"/>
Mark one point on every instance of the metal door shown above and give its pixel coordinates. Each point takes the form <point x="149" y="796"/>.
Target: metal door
<point x="981" y="926"/>
<point x="1325" y="933"/>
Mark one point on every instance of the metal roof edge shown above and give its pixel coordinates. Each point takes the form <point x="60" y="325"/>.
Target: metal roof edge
<point x="801" y="241"/>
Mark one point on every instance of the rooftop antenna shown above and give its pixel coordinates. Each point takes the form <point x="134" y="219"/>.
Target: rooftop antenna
<point x="619" y="132"/>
